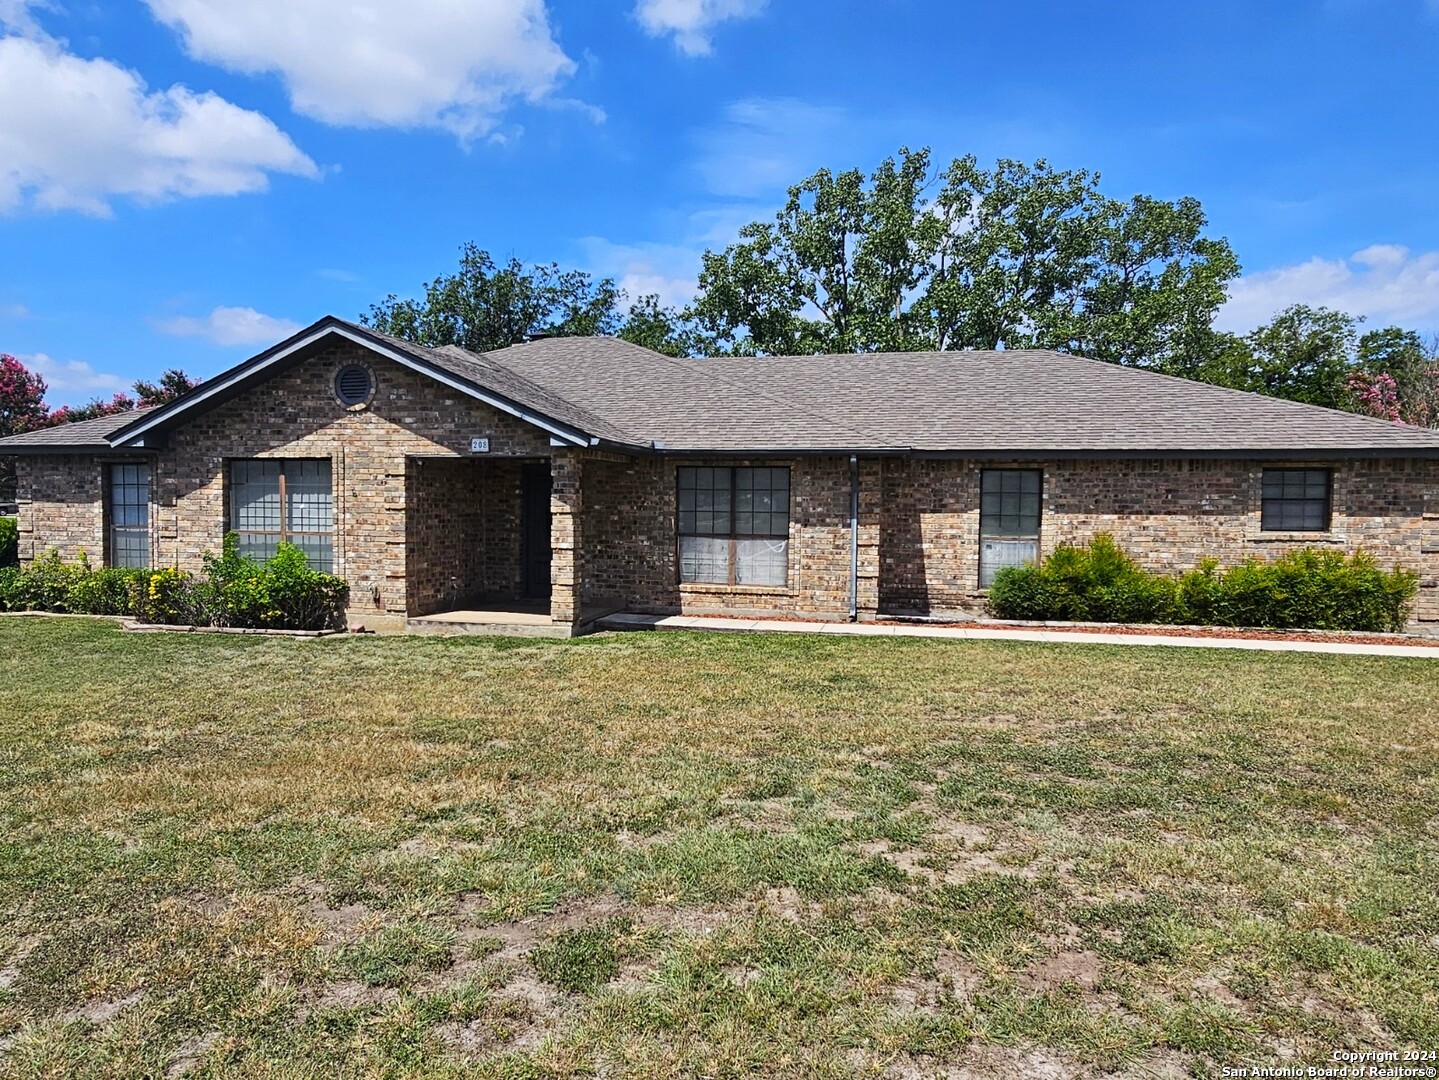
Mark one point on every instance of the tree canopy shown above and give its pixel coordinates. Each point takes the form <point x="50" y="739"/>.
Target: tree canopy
<point x="485" y="306"/>
<point x="1015" y="256"/>
<point x="908" y="258"/>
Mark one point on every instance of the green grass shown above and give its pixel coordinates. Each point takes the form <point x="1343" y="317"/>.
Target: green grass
<point x="674" y="855"/>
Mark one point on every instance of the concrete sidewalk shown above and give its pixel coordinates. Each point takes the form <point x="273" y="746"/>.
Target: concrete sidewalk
<point x="979" y="633"/>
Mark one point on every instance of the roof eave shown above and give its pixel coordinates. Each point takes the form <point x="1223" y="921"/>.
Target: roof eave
<point x="133" y="435"/>
<point x="41" y="449"/>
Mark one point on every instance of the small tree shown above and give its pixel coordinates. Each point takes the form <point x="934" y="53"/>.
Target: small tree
<point x="172" y="384"/>
<point x="22" y="408"/>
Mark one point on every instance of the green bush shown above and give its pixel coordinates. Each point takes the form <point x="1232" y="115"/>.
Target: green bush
<point x="9" y="542"/>
<point x="102" y="592"/>
<point x="169" y="597"/>
<point x="282" y="594"/>
<point x="1321" y="590"/>
<point x="48" y="582"/>
<point x="234" y="590"/>
<point x="1096" y="583"/>
<point x="12" y="586"/>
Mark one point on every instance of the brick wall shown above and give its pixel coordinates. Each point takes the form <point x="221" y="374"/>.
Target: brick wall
<point x="1168" y="514"/>
<point x="631" y="549"/>
<point x="60" y="506"/>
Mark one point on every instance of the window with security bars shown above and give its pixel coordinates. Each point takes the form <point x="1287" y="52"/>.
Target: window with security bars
<point x="128" y="510"/>
<point x="1295" y="500"/>
<point x="1009" y="505"/>
<point x="275" y="501"/>
<point x="734" y="525"/>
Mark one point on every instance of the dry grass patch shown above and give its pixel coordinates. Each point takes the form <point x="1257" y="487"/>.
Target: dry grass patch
<point x="673" y="855"/>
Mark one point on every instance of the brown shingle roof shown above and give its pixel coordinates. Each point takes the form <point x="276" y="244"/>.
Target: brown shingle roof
<point x="990" y="402"/>
<point x="1017" y="402"/>
<point x="81" y="435"/>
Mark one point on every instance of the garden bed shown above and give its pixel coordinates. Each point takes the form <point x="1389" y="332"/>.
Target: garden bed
<point x="160" y="628"/>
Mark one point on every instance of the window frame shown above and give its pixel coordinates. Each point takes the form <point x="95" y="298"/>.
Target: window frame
<point x="284" y="534"/>
<point x="112" y="558"/>
<point x="1036" y="536"/>
<point x="733" y="536"/>
<point x="1281" y="501"/>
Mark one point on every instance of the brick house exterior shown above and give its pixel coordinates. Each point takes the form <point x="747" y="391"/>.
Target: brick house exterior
<point x="568" y="472"/>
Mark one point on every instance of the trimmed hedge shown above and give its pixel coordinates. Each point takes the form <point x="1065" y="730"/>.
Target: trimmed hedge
<point x="234" y="590"/>
<point x="1310" y="589"/>
<point x="9" y="542"/>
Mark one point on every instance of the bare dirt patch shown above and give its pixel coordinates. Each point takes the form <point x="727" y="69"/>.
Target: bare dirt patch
<point x="1080" y="968"/>
<point x="100" y="1012"/>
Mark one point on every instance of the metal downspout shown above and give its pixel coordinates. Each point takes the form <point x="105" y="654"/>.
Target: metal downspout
<point x="853" y="538"/>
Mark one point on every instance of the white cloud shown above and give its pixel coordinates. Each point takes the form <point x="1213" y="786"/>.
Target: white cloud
<point x="690" y="22"/>
<point x="1384" y="283"/>
<point x="70" y="382"/>
<point x="669" y="271"/>
<point x="14" y="311"/>
<point x="230" y="326"/>
<point x="763" y="145"/>
<point x="453" y="64"/>
<point x="75" y="133"/>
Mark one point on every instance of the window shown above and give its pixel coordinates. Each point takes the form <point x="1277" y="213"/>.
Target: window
<point x="274" y="501"/>
<point x="734" y="525"/>
<point x="1295" y="500"/>
<point x="1009" y="501"/>
<point x="128" y="511"/>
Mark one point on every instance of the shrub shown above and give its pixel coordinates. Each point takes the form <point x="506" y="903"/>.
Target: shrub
<point x="282" y="594"/>
<point x="234" y="591"/>
<point x="166" y="596"/>
<point x="9" y="542"/>
<point x="12" y="584"/>
<point x="103" y="592"/>
<point x="48" y="581"/>
<point x="1322" y="590"/>
<point x="1096" y="583"/>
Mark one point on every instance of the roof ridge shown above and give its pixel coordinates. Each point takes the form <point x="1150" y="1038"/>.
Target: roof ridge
<point x="581" y="411"/>
<point x="692" y="364"/>
<point x="695" y="364"/>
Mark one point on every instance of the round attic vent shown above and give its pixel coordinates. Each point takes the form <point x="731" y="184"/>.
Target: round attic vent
<point x="353" y="385"/>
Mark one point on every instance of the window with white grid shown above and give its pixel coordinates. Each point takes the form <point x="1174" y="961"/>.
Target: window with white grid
<point x="128" y="509"/>
<point x="274" y="501"/>
<point x="1009" y="504"/>
<point x="734" y="525"/>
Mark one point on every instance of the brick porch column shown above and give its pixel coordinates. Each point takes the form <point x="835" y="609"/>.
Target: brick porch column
<point x="566" y="510"/>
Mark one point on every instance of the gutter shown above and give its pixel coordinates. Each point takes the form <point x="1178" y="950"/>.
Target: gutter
<point x="853" y="538"/>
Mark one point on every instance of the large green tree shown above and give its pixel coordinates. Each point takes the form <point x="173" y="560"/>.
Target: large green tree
<point x="1018" y="255"/>
<point x="1304" y="354"/>
<point x="484" y="306"/>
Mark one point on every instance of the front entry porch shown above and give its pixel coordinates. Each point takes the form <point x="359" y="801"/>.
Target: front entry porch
<point x="477" y="535"/>
<point x="491" y="546"/>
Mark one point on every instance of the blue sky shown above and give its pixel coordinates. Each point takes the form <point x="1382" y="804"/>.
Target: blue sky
<point x="182" y="182"/>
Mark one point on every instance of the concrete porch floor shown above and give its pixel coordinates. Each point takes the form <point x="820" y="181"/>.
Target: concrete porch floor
<point x="519" y="618"/>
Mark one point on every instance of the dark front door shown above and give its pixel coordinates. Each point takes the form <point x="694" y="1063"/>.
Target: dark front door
<point x="535" y="518"/>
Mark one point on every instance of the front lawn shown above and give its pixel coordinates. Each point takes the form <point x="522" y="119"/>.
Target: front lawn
<point x="715" y="855"/>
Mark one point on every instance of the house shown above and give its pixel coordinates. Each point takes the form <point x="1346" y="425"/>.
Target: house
<point x="562" y="478"/>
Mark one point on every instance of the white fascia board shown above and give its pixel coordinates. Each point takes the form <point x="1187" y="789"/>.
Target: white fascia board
<point x="565" y="436"/>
